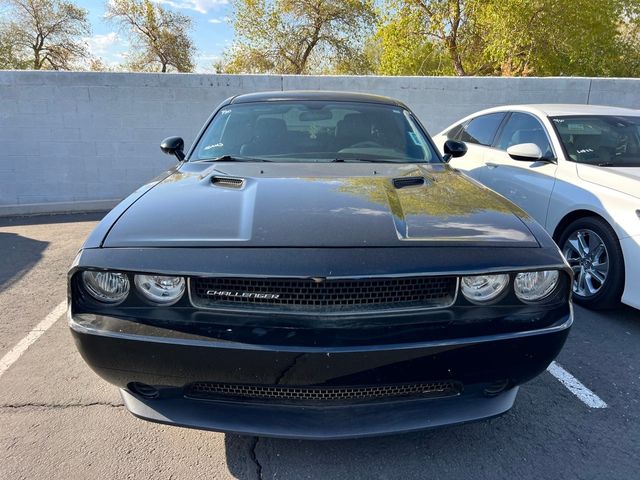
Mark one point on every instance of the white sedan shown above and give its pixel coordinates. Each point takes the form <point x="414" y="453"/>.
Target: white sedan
<point x="576" y="170"/>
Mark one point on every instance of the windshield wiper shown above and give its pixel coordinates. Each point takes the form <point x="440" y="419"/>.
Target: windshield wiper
<point x="233" y="158"/>
<point x="366" y="160"/>
<point x="606" y="164"/>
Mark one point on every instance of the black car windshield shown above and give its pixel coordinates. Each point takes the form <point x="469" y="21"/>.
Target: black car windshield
<point x="602" y="140"/>
<point x="314" y="131"/>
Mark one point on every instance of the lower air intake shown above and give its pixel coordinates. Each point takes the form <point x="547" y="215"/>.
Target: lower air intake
<point x="213" y="391"/>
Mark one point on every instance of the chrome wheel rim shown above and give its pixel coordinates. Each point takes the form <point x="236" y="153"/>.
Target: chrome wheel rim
<point x="588" y="257"/>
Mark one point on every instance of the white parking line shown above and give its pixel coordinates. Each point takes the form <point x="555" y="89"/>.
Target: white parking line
<point x="16" y="352"/>
<point x="576" y="387"/>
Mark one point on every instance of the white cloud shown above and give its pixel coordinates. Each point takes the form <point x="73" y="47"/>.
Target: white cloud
<point x="200" y="6"/>
<point x="100" y="45"/>
<point x="218" y="20"/>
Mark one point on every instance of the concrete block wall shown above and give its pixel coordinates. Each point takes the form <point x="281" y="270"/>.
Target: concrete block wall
<point x="81" y="141"/>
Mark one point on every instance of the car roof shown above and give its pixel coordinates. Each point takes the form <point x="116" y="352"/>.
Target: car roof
<point x="559" y="109"/>
<point x="327" y="96"/>
<point x="551" y="110"/>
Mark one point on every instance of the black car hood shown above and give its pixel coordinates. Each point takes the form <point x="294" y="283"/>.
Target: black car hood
<point x="319" y="205"/>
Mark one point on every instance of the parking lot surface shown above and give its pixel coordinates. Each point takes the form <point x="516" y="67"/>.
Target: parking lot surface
<point x="58" y="420"/>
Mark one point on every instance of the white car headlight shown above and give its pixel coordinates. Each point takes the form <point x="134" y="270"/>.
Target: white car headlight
<point x="106" y="287"/>
<point x="483" y="288"/>
<point x="535" y="286"/>
<point x="159" y="289"/>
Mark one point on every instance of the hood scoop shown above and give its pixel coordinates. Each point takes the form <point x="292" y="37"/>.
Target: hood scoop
<point x="227" y="182"/>
<point x="403" y="182"/>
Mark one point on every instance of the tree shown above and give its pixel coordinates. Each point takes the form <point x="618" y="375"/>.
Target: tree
<point x="44" y="34"/>
<point x="159" y="37"/>
<point x="406" y="50"/>
<point x="510" y="37"/>
<point x="8" y="57"/>
<point x="300" y="36"/>
<point x="553" y="37"/>
<point x="630" y="38"/>
<point x="426" y="32"/>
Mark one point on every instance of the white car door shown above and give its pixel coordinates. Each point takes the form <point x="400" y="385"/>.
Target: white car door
<point x="527" y="184"/>
<point x="478" y="133"/>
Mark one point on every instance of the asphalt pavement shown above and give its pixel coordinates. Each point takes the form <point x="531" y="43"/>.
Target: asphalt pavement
<point x="58" y="420"/>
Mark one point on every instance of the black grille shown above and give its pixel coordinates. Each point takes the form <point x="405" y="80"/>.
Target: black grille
<point x="321" y="296"/>
<point x="207" y="390"/>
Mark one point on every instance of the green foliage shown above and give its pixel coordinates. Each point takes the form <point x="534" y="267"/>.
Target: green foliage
<point x="404" y="49"/>
<point x="511" y="37"/>
<point x="577" y="37"/>
<point x="159" y="37"/>
<point x="42" y="34"/>
<point x="300" y="36"/>
<point x="431" y="37"/>
<point x="9" y="57"/>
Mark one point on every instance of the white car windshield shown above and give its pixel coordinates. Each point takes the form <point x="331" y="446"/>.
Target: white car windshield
<point x="603" y="140"/>
<point x="315" y="131"/>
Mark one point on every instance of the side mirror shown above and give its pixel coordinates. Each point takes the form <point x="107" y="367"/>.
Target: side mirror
<point x="526" y="152"/>
<point x="454" y="149"/>
<point x="173" y="146"/>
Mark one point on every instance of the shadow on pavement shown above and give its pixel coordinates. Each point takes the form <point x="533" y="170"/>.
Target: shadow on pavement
<point x="51" y="219"/>
<point x="19" y="255"/>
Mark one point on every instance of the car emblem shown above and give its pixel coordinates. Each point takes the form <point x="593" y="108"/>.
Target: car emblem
<point x="235" y="294"/>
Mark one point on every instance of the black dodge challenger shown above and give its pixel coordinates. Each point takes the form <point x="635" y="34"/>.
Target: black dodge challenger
<point x="313" y="268"/>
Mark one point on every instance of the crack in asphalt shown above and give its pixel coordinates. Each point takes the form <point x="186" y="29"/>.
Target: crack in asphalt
<point x="61" y="406"/>
<point x="254" y="458"/>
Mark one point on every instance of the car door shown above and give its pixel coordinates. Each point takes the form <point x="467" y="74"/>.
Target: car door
<point x="527" y="184"/>
<point x="478" y="133"/>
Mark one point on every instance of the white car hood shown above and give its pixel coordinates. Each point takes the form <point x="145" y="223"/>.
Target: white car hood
<point x="621" y="179"/>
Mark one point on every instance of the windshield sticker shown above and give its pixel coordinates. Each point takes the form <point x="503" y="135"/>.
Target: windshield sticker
<point x="216" y="145"/>
<point x="225" y="112"/>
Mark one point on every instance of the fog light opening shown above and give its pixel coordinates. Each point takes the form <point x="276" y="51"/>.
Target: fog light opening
<point x="496" y="388"/>
<point x="144" y="390"/>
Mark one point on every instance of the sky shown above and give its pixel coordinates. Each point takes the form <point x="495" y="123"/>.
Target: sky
<point x="212" y="32"/>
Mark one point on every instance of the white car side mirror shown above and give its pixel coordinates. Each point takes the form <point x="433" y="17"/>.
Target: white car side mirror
<point x="527" y="152"/>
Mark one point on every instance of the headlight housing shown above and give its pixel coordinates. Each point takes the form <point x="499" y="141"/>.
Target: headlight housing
<point x="160" y="289"/>
<point x="535" y="286"/>
<point x="107" y="287"/>
<point x="484" y="288"/>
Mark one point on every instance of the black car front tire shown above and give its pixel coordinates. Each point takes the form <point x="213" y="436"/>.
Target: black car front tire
<point x="587" y="243"/>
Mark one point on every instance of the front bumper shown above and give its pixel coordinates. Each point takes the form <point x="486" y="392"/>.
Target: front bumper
<point x="631" y="252"/>
<point x="123" y="352"/>
<point x="319" y="423"/>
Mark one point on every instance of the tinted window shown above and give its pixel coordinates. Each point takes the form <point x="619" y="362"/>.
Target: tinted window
<point x="482" y="129"/>
<point x="524" y="128"/>
<point x="291" y="131"/>
<point x="601" y="140"/>
<point x="454" y="133"/>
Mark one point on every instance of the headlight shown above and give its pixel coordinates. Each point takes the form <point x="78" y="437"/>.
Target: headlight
<point x="483" y="288"/>
<point x="106" y="287"/>
<point x="160" y="289"/>
<point x="534" y="286"/>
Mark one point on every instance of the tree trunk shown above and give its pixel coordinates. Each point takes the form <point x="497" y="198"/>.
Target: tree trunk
<point x="457" y="66"/>
<point x="452" y="48"/>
